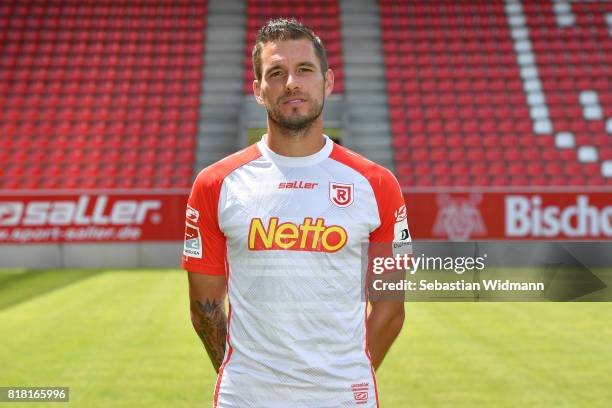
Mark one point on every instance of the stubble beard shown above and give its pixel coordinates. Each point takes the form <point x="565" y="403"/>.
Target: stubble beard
<point x="296" y="125"/>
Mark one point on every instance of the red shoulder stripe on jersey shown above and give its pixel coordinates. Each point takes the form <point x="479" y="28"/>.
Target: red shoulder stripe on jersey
<point x="225" y="166"/>
<point x="387" y="192"/>
<point x="205" y="194"/>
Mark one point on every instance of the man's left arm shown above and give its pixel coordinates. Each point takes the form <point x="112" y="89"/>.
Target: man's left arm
<point x="391" y="238"/>
<point x="384" y="324"/>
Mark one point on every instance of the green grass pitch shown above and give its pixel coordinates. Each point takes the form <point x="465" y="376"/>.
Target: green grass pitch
<point x="124" y="339"/>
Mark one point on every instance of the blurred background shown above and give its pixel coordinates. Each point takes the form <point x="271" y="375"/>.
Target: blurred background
<point x="496" y="117"/>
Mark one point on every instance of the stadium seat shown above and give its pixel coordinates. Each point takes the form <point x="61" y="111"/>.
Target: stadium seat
<point x="456" y="80"/>
<point x="323" y="17"/>
<point x="74" y="94"/>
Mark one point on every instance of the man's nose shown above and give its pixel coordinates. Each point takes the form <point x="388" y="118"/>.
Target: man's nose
<point x="292" y="82"/>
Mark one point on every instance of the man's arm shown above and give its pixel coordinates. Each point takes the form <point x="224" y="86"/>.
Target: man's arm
<point x="207" y="304"/>
<point x="384" y="324"/>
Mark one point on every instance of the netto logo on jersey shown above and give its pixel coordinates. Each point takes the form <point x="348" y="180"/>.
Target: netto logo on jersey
<point x="309" y="236"/>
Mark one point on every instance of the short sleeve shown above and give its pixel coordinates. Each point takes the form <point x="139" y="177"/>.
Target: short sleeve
<point x="392" y="212"/>
<point x="204" y="247"/>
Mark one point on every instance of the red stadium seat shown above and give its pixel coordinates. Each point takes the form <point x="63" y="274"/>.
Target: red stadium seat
<point x="446" y="72"/>
<point x="324" y="18"/>
<point x="87" y="85"/>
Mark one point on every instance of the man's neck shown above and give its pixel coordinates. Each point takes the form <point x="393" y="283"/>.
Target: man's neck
<point x="300" y="143"/>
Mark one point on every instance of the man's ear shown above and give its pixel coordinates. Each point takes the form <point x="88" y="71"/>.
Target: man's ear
<point x="329" y="82"/>
<point x="257" y="92"/>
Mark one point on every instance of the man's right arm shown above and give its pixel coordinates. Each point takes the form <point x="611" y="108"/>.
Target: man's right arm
<point x="207" y="304"/>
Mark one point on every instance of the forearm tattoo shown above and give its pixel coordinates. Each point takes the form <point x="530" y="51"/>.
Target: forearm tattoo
<point x="211" y="326"/>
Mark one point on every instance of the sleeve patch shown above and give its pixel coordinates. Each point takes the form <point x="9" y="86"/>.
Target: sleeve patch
<point x="193" y="241"/>
<point x="192" y="214"/>
<point x="400" y="214"/>
<point x="402" y="242"/>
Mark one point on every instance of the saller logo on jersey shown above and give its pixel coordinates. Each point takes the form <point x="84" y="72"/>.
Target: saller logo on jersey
<point x="311" y="235"/>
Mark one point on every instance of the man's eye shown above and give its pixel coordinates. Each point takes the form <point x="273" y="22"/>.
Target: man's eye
<point x="275" y="74"/>
<point x="305" y="69"/>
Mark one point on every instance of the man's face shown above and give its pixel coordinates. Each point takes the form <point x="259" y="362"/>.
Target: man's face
<point x="292" y="88"/>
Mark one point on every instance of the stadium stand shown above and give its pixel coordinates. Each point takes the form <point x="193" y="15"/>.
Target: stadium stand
<point x="105" y="94"/>
<point x="472" y="105"/>
<point x="99" y="94"/>
<point x="323" y="16"/>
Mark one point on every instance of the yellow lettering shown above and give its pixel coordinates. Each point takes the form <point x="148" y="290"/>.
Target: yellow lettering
<point x="305" y="228"/>
<point x="258" y="228"/>
<point x="286" y="239"/>
<point x="340" y="231"/>
<point x="318" y="228"/>
<point x="296" y="237"/>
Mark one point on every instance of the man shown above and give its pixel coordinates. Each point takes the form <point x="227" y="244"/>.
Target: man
<point x="278" y="226"/>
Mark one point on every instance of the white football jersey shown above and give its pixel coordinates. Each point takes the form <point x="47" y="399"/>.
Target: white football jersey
<point x="287" y="232"/>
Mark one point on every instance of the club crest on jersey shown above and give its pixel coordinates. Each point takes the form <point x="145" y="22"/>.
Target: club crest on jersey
<point x="341" y="194"/>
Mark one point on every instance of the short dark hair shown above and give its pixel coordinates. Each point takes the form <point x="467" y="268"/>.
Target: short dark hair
<point x="283" y="29"/>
